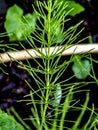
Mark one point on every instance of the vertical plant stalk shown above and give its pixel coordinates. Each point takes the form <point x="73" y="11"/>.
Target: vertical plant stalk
<point x="66" y="107"/>
<point x="47" y="66"/>
<point x="50" y="67"/>
<point x="19" y="118"/>
<point x="78" y="121"/>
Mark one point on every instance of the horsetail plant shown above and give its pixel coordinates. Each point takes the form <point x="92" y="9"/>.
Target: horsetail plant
<point x="52" y="98"/>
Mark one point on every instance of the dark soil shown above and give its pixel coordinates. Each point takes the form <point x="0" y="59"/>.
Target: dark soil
<point x="13" y="86"/>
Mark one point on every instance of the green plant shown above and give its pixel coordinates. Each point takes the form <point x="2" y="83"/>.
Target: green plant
<point x="16" y="29"/>
<point x="13" y="25"/>
<point x="53" y="99"/>
<point x="7" y="122"/>
<point x="76" y="7"/>
<point x="81" y="68"/>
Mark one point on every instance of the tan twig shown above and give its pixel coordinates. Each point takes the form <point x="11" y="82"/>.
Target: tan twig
<point x="23" y="54"/>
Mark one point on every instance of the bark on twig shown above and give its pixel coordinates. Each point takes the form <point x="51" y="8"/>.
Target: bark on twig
<point x="23" y="54"/>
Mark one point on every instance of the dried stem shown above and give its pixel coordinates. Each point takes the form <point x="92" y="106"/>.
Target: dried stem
<point x="29" y="53"/>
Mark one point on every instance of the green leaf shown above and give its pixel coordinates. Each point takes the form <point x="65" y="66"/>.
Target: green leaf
<point x="77" y="8"/>
<point x="58" y="35"/>
<point x="30" y="22"/>
<point x="81" y="68"/>
<point x="13" y="24"/>
<point x="7" y="122"/>
<point x="74" y="6"/>
<point x="16" y="26"/>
